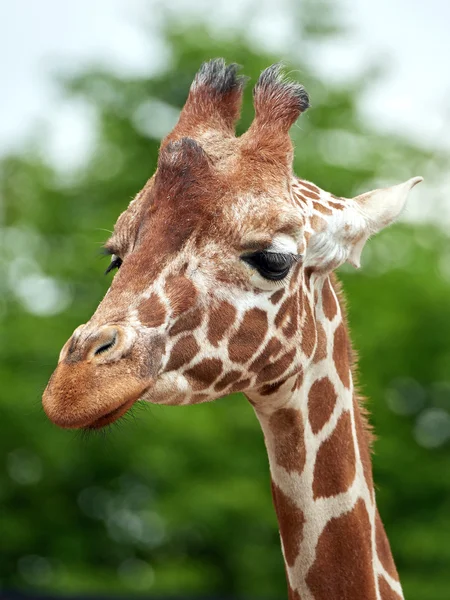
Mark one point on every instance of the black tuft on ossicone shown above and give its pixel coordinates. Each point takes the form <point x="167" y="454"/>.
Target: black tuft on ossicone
<point x="217" y="75"/>
<point x="272" y="82"/>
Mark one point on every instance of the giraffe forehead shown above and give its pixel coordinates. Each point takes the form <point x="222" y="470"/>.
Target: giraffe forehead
<point x="236" y="220"/>
<point x="215" y="202"/>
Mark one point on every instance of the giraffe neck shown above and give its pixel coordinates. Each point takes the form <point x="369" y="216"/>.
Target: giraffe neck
<point x="334" y="544"/>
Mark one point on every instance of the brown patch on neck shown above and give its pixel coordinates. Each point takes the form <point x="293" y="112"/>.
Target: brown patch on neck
<point x="321" y="402"/>
<point x="271" y="349"/>
<point x="298" y="382"/>
<point x="309" y="334"/>
<point x="328" y="301"/>
<point x="199" y="398"/>
<point x="325" y="210"/>
<point x="336" y="205"/>
<point x="205" y="373"/>
<point x="271" y="388"/>
<point x="341" y="350"/>
<point x="291" y="521"/>
<point x="187" y="322"/>
<point x="317" y="223"/>
<point x="288" y="437"/>
<point x="249" y="336"/>
<point x="276" y="369"/>
<point x="343" y="567"/>
<point x="239" y="386"/>
<point x="227" y="379"/>
<point x="276" y="297"/>
<point x="181" y="293"/>
<point x="182" y="353"/>
<point x="285" y="312"/>
<point x="308" y="271"/>
<point x="310" y="194"/>
<point x="291" y="324"/>
<point x="309" y="186"/>
<point x="221" y="318"/>
<point x="335" y="466"/>
<point x="151" y="312"/>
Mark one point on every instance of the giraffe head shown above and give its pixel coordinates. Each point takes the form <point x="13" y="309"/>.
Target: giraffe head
<point x="218" y="257"/>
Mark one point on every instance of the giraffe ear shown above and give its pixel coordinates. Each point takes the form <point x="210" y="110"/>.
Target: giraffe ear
<point x="379" y="209"/>
<point x="346" y="231"/>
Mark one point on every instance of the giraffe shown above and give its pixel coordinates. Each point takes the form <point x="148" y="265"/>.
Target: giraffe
<point x="225" y="284"/>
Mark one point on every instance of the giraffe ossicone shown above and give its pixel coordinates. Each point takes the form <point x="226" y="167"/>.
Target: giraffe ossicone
<point x="225" y="284"/>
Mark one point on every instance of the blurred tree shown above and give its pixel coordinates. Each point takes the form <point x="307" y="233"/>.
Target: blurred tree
<point x="177" y="500"/>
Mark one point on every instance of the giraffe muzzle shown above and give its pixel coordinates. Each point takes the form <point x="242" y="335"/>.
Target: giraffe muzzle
<point x="102" y="372"/>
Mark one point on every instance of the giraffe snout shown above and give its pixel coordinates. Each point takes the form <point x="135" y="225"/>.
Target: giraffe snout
<point x="102" y="371"/>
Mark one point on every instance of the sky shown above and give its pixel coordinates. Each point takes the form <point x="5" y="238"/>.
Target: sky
<point x="40" y="37"/>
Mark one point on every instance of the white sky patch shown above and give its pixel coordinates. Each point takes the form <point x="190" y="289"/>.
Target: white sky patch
<point x="22" y="275"/>
<point x="42" y="295"/>
<point x="410" y="37"/>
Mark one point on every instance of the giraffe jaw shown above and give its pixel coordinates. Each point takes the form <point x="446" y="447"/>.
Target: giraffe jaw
<point x="112" y="416"/>
<point x="93" y="390"/>
<point x="83" y="397"/>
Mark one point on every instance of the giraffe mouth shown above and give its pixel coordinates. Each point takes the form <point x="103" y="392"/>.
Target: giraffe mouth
<point x="111" y="416"/>
<point x="80" y="397"/>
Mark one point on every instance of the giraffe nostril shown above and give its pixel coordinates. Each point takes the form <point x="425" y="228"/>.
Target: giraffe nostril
<point x="106" y="345"/>
<point x="103" y="344"/>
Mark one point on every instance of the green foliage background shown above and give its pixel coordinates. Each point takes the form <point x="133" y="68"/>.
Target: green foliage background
<point x="176" y="500"/>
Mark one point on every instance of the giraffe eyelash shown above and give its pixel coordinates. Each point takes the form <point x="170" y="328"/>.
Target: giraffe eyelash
<point x="115" y="263"/>
<point x="273" y="266"/>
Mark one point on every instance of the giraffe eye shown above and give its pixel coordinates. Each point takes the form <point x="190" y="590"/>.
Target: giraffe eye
<point x="270" y="265"/>
<point x="115" y="263"/>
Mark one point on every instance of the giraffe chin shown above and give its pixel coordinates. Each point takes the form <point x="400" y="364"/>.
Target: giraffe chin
<point x="84" y="396"/>
<point x="112" y="416"/>
<point x="89" y="419"/>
